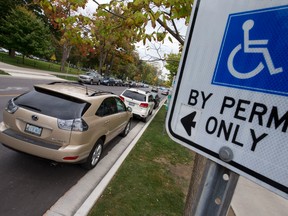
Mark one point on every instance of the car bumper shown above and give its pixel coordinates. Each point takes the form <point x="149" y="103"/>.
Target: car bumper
<point x="84" y="80"/>
<point x="140" y="113"/>
<point x="43" y="149"/>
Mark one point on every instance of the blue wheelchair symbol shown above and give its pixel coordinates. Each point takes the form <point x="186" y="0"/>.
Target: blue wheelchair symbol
<point x="254" y="52"/>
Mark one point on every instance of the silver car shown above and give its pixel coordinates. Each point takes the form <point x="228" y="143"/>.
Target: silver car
<point x="90" y="77"/>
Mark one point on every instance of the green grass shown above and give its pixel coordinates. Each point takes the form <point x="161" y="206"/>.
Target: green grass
<point x="68" y="77"/>
<point x="35" y="64"/>
<point x="154" y="178"/>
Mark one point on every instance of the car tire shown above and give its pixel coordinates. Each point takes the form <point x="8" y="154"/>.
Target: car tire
<point x="144" y="119"/>
<point x="150" y="113"/>
<point x="127" y="129"/>
<point x="91" y="82"/>
<point x="94" y="156"/>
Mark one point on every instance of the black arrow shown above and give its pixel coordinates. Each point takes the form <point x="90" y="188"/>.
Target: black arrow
<point x="188" y="122"/>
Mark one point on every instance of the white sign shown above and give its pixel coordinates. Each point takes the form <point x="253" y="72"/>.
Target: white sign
<point x="230" y="99"/>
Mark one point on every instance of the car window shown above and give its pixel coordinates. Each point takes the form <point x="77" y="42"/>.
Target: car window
<point x="53" y="104"/>
<point x="151" y="98"/>
<point x="107" y="107"/>
<point x="134" y="95"/>
<point x="120" y="105"/>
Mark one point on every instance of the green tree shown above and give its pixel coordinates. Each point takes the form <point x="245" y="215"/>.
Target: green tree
<point x="21" y="30"/>
<point x="67" y="23"/>
<point x="112" y="41"/>
<point x="7" y="6"/>
<point x="172" y="64"/>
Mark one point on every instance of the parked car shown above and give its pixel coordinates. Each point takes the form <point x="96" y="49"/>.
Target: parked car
<point x="126" y="83"/>
<point x="140" y="84"/>
<point x="109" y="81"/>
<point x="141" y="102"/>
<point x="4" y="50"/>
<point x="64" y="122"/>
<point x="90" y="77"/>
<point x="156" y="99"/>
<point x="132" y="84"/>
<point x="165" y="91"/>
<point x="154" y="89"/>
<point x="118" y="82"/>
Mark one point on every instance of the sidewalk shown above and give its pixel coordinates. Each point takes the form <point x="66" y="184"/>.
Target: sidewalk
<point x="249" y="199"/>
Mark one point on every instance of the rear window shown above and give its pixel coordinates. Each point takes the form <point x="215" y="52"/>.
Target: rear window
<point x="52" y="104"/>
<point x="134" y="95"/>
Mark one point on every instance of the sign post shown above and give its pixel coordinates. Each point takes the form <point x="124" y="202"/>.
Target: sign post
<point x="215" y="192"/>
<point x="230" y="99"/>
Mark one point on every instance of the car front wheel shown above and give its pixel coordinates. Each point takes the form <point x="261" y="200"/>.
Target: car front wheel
<point x="94" y="155"/>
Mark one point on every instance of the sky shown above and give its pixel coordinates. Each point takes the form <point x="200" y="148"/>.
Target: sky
<point x="151" y="50"/>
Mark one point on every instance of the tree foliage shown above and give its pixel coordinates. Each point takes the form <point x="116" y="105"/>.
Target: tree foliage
<point x="21" y="30"/>
<point x="111" y="40"/>
<point x="105" y="41"/>
<point x="65" y="19"/>
<point x="161" y="15"/>
<point x="172" y="64"/>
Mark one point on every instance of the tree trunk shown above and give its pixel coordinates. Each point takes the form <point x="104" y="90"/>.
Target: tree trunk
<point x="12" y="53"/>
<point x="111" y="63"/>
<point x="102" y="59"/>
<point x="196" y="176"/>
<point x="65" y="56"/>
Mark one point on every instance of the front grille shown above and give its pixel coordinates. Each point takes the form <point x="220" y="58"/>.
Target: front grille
<point x="24" y="138"/>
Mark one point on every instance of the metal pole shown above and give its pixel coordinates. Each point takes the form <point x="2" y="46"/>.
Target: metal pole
<point x="216" y="191"/>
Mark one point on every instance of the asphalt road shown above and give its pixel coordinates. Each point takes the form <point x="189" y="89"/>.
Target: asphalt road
<point x="31" y="185"/>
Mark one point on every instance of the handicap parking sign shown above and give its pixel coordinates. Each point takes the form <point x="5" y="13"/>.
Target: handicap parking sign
<point x="253" y="53"/>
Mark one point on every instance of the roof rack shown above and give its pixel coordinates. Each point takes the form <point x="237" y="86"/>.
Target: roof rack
<point x="82" y="85"/>
<point x="100" y="92"/>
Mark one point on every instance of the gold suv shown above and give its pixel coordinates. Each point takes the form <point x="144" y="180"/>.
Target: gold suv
<point x="64" y="122"/>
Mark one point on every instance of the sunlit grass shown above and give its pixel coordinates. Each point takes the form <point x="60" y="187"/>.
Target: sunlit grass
<point x="36" y="64"/>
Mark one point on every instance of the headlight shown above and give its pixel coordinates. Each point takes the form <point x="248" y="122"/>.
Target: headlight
<point x="11" y="106"/>
<point x="73" y="124"/>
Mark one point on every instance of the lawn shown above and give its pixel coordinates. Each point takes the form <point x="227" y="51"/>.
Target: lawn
<point x="36" y="64"/>
<point x="154" y="178"/>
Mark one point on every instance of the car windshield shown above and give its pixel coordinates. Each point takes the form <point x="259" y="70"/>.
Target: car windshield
<point x="53" y="104"/>
<point x="134" y="95"/>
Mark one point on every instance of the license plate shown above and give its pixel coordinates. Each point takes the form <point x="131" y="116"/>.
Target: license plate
<point x="33" y="129"/>
<point x="131" y="104"/>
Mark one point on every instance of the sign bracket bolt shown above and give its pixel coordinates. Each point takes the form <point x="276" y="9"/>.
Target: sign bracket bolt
<point x="226" y="154"/>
